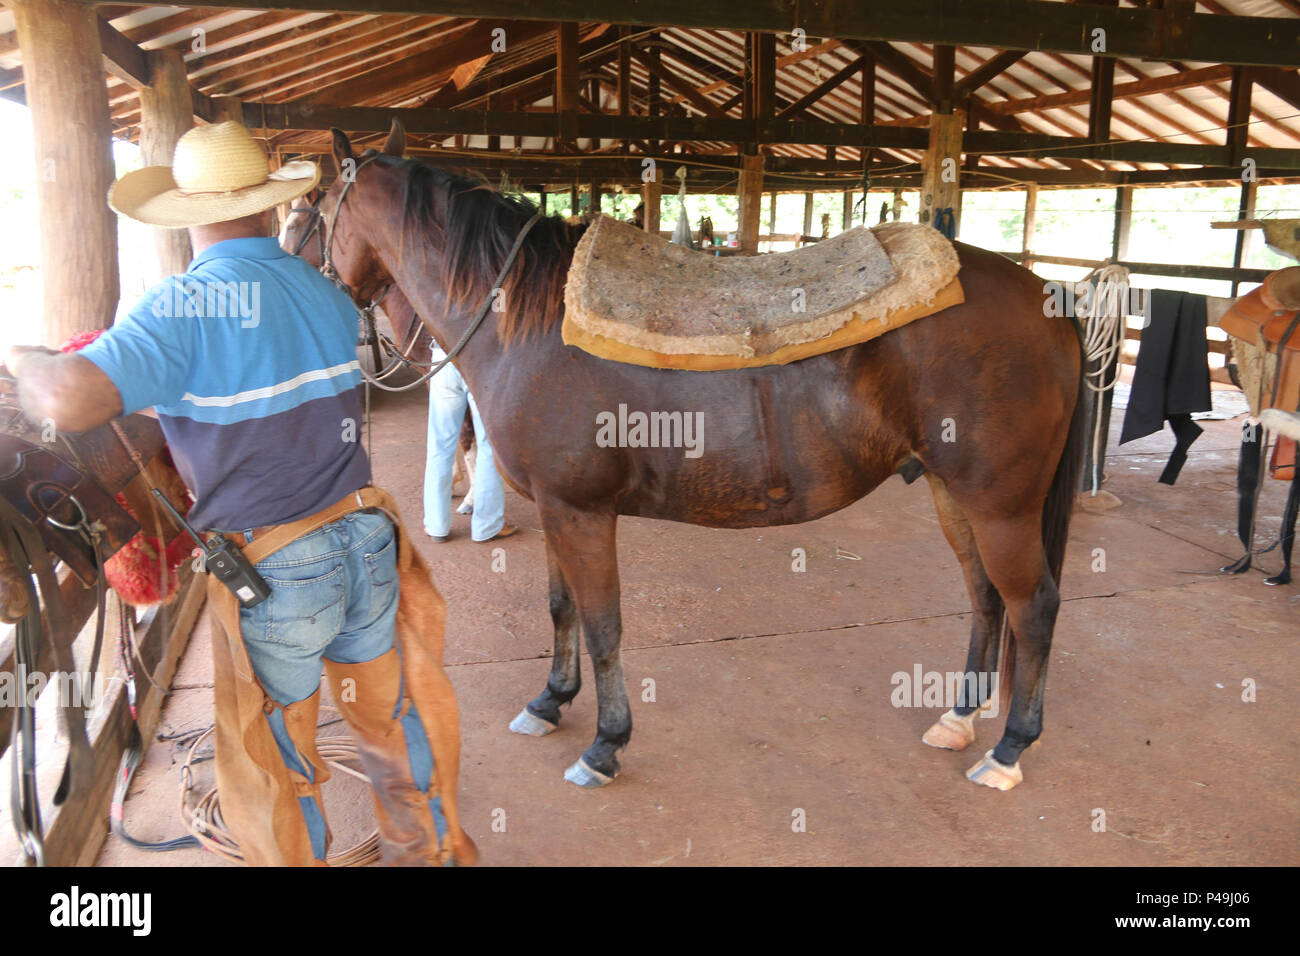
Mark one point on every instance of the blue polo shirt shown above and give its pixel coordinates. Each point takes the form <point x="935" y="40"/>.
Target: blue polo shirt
<point x="250" y="359"/>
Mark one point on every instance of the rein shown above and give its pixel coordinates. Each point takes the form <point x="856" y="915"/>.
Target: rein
<point x="330" y="271"/>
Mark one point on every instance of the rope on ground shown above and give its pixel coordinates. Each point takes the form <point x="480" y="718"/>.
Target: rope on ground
<point x="202" y="813"/>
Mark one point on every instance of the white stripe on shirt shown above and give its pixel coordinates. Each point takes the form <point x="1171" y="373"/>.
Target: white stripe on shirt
<point x="270" y="391"/>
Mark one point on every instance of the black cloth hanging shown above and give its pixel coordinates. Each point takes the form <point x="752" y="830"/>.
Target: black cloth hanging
<point x="1172" y="377"/>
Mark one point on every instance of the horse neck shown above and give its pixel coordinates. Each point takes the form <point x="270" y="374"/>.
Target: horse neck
<point x="417" y="272"/>
<point x="417" y="269"/>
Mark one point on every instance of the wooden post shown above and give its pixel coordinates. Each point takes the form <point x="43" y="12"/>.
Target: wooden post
<point x="944" y="64"/>
<point x="651" y="195"/>
<point x="64" y="75"/>
<point x="1238" y="133"/>
<point x="846" y="215"/>
<point x="624" y="75"/>
<point x="751" y="202"/>
<point x="1245" y="210"/>
<point x="868" y="92"/>
<point x="566" y="77"/>
<point x="166" y="114"/>
<point x="896" y="210"/>
<point x="1103" y="95"/>
<point x="940" y="180"/>
<point x="593" y="198"/>
<point x="1123" y="219"/>
<point x="807" y="214"/>
<point x="1031" y="220"/>
<point x="573" y="200"/>
<point x="771" y="217"/>
<point x="227" y="108"/>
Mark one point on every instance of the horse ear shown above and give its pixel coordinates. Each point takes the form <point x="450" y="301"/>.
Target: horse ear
<point x="395" y="145"/>
<point x="342" y="146"/>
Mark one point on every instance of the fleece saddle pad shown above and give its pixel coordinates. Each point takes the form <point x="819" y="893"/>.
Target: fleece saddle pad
<point x="633" y="297"/>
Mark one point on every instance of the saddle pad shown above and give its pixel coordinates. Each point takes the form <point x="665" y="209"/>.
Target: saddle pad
<point x="632" y="297"/>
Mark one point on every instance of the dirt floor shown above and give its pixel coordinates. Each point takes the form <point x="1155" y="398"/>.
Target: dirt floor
<point x="772" y="690"/>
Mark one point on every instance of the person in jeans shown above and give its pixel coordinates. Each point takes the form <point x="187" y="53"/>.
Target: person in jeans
<point x="249" y="359"/>
<point x="448" y="398"/>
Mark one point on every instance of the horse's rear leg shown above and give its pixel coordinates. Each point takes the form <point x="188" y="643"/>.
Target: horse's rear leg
<point x="1012" y="553"/>
<point x="542" y="714"/>
<point x="587" y="558"/>
<point x="955" y="730"/>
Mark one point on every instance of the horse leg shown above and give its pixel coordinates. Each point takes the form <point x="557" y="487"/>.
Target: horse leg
<point x="585" y="549"/>
<point x="1287" y="537"/>
<point x="1012" y="553"/>
<point x="542" y="714"/>
<point x="955" y="730"/>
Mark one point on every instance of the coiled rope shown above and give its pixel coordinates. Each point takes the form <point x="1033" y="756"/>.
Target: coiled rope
<point x="1103" y="337"/>
<point x="202" y="812"/>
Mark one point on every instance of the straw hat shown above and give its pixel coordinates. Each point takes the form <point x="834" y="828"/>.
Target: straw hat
<point x="218" y="173"/>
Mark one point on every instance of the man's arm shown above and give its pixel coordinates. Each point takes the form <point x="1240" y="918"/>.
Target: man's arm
<point x="68" y="390"/>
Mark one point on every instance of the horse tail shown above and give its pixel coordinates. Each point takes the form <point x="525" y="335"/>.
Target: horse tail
<point x="1057" y="510"/>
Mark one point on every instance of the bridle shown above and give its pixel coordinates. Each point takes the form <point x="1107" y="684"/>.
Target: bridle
<point x="330" y="271"/>
<point x="316" y="226"/>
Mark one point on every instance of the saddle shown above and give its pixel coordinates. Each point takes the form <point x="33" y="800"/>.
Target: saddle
<point x="58" y="481"/>
<point x="1265" y="327"/>
<point x="633" y="297"/>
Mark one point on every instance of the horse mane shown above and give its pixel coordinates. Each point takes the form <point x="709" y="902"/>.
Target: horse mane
<point x="477" y="234"/>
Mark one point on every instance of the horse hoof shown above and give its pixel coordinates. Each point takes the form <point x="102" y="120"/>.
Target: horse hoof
<point x="951" y="731"/>
<point x="583" y="776"/>
<point x="465" y="509"/>
<point x="990" y="773"/>
<point x="1278" y="579"/>
<point x="531" y="725"/>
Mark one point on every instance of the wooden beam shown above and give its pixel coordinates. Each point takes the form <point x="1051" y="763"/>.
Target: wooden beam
<point x="444" y="57"/>
<point x="800" y="105"/>
<point x="566" y="67"/>
<point x="901" y="65"/>
<point x="867" y="98"/>
<point x="807" y="214"/>
<point x="1168" y="32"/>
<point x="72" y="137"/>
<point x="1220" y="273"/>
<point x="303" y="115"/>
<point x="528" y="81"/>
<point x="1102" y="92"/>
<point x="650" y="60"/>
<point x="1160" y="84"/>
<point x="985" y="72"/>
<point x="1238" y="131"/>
<point x="945" y="60"/>
<point x="764" y="75"/>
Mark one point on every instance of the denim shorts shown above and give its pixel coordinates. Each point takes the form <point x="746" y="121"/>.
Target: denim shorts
<point x="333" y="595"/>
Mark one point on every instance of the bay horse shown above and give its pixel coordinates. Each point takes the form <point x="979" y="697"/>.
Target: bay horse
<point x="786" y="443"/>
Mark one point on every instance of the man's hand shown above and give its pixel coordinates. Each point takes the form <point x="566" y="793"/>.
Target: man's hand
<point x="68" y="390"/>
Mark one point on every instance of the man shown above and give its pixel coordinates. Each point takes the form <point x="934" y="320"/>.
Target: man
<point x="448" y="398"/>
<point x="249" y="359"/>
